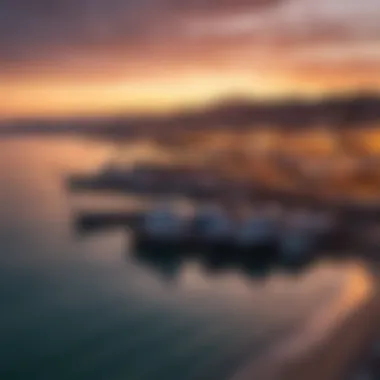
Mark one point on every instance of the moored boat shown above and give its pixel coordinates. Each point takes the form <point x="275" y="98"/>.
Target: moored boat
<point x="213" y="230"/>
<point x="263" y="233"/>
<point x="258" y="235"/>
<point x="303" y="234"/>
<point x="162" y="228"/>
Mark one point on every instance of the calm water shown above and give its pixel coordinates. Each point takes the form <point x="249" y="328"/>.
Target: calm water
<point x="86" y="308"/>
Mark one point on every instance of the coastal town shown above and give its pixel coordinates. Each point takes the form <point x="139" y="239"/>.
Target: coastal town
<point x="190" y="189"/>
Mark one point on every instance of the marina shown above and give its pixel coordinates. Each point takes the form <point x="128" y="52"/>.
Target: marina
<point x="293" y="235"/>
<point x="71" y="295"/>
<point x="190" y="190"/>
<point x="225" y="220"/>
<point x="227" y="214"/>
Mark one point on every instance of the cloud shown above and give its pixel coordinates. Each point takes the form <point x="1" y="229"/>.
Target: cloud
<point x="40" y="28"/>
<point x="37" y="27"/>
<point x="215" y="7"/>
<point x="93" y="36"/>
<point x="298" y="20"/>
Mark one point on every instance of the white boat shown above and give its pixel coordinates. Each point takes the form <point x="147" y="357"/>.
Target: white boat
<point x="257" y="229"/>
<point x="164" y="227"/>
<point x="300" y="235"/>
<point x="212" y="223"/>
<point x="164" y="222"/>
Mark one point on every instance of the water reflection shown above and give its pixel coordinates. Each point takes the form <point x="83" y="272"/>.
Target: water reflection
<point x="169" y="264"/>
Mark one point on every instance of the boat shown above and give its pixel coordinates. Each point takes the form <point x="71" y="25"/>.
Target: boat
<point x="213" y="231"/>
<point x="161" y="229"/>
<point x="304" y="233"/>
<point x="258" y="232"/>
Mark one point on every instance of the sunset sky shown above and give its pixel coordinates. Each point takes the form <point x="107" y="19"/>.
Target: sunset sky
<point x="69" y="57"/>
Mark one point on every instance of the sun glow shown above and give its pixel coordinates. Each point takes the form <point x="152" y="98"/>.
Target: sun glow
<point x="151" y="95"/>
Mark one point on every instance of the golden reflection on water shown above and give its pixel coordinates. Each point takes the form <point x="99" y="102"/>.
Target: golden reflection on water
<point x="357" y="288"/>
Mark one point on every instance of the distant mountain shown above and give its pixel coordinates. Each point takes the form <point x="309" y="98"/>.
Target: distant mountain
<point x="340" y="112"/>
<point x="349" y="111"/>
<point x="336" y="112"/>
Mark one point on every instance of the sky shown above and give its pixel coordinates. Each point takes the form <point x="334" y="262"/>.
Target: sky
<point x="69" y="57"/>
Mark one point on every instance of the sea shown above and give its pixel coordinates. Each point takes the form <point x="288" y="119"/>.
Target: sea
<point x="87" y="307"/>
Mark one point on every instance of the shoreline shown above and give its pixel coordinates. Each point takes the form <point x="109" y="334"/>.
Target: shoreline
<point x="338" y="355"/>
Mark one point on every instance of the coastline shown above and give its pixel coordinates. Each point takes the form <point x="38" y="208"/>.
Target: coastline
<point x="337" y="355"/>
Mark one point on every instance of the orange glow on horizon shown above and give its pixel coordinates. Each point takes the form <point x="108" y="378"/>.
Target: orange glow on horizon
<point x="128" y="57"/>
<point x="42" y="97"/>
<point x="149" y="96"/>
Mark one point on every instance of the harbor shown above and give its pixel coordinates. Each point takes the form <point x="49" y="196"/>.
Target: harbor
<point x="227" y="223"/>
<point x="189" y="190"/>
<point x="196" y="207"/>
<point x="76" y="293"/>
